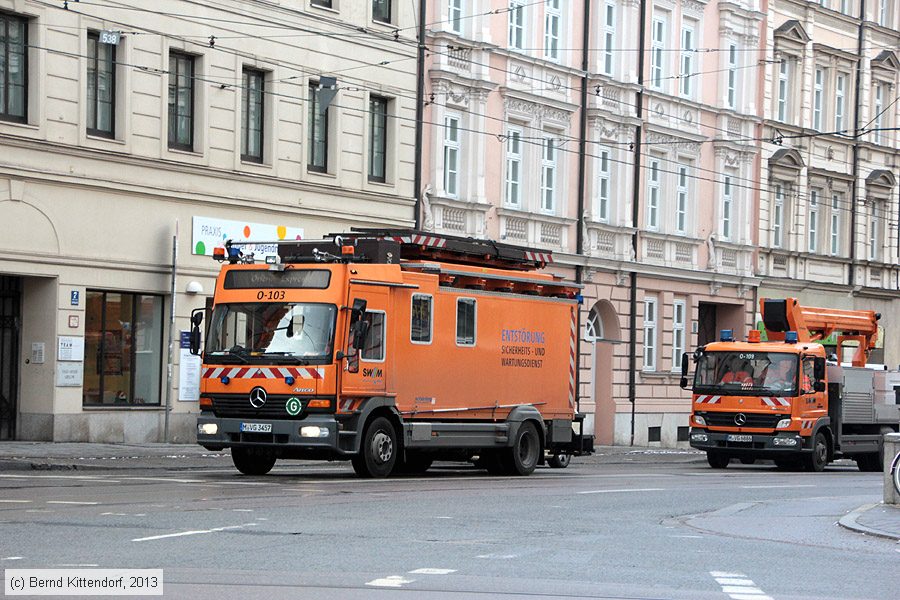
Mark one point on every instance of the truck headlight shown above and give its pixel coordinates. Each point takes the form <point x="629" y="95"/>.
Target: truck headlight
<point x="698" y="420"/>
<point x="785" y="441"/>
<point x="699" y="437"/>
<point x="311" y="431"/>
<point x="207" y="429"/>
<point x="783" y="424"/>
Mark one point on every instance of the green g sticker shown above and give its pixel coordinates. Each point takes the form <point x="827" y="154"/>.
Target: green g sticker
<point x="293" y="406"/>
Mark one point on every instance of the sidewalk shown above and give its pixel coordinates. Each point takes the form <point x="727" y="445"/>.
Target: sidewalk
<point x="880" y="520"/>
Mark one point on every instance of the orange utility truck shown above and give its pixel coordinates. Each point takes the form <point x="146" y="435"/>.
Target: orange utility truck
<point x="785" y="400"/>
<point x="391" y="349"/>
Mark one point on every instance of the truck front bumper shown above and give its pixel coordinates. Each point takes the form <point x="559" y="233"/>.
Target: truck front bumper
<point x="747" y="444"/>
<point x="315" y="435"/>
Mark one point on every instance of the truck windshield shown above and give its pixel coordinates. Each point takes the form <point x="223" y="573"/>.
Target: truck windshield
<point x="743" y="373"/>
<point x="272" y="332"/>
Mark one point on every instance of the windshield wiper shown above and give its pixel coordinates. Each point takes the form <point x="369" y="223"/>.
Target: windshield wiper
<point x="291" y="355"/>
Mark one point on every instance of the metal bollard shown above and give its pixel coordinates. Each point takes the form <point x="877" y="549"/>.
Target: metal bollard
<point x="891" y="448"/>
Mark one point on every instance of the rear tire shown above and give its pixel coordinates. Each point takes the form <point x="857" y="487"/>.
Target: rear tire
<point x="560" y="461"/>
<point x="817" y="460"/>
<point x="415" y="463"/>
<point x="869" y="463"/>
<point x="526" y="450"/>
<point x="717" y="460"/>
<point x="378" y="451"/>
<point x="253" y="461"/>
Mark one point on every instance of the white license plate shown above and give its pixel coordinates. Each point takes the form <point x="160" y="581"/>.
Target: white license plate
<point x="740" y="438"/>
<point x="256" y="427"/>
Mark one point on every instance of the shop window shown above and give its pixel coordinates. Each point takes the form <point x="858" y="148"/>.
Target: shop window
<point x="123" y="349"/>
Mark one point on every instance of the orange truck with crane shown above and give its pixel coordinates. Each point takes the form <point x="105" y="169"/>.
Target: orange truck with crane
<point x="391" y="349"/>
<point x="783" y="399"/>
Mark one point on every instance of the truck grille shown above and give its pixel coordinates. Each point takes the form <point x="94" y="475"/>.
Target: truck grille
<point x="239" y="406"/>
<point x="757" y="420"/>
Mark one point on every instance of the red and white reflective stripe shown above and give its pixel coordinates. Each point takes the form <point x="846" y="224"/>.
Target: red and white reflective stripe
<point x="346" y="404"/>
<point x="264" y="373"/>
<point x="572" y="357"/>
<point x="708" y="399"/>
<point x="421" y="240"/>
<point x="807" y="424"/>
<point x="545" y="257"/>
<point x="775" y="401"/>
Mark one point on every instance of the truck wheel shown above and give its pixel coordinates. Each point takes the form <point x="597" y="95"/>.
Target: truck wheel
<point x="523" y="457"/>
<point x="378" y="452"/>
<point x="717" y="460"/>
<point x="869" y="463"/>
<point x="817" y="460"/>
<point x="560" y="461"/>
<point x="415" y="462"/>
<point x="253" y="461"/>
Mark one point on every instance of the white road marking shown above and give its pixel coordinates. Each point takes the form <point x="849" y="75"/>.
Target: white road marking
<point x="443" y="517"/>
<point x="15" y="501"/>
<point x="690" y="537"/>
<point x="78" y="565"/>
<point x="738" y="586"/>
<point x="71" y="502"/>
<point x="623" y="490"/>
<point x="429" y="571"/>
<point x="13" y="558"/>
<point x="79" y="477"/>
<point x="241" y="510"/>
<point x="393" y="581"/>
<point x="195" y="532"/>
<point x="499" y="556"/>
<point x="766" y="487"/>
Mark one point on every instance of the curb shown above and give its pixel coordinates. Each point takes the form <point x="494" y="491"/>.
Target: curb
<point x="850" y="521"/>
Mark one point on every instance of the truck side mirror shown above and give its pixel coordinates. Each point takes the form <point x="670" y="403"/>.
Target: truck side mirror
<point x="819" y="385"/>
<point x="359" y="334"/>
<point x="357" y="311"/>
<point x="196" y="319"/>
<point x="819" y="369"/>
<point x="684" y="370"/>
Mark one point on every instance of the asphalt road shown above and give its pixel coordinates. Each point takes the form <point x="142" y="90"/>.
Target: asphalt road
<point x="313" y="530"/>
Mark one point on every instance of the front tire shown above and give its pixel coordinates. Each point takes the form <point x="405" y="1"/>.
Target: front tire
<point x="717" y="460"/>
<point x="526" y="450"/>
<point x="817" y="460"/>
<point x="253" y="461"/>
<point x="378" y="452"/>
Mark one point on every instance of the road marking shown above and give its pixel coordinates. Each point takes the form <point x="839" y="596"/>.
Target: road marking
<point x="738" y="586"/>
<point x="429" y="571"/>
<point x="498" y="556"/>
<point x="692" y="537"/>
<point x="766" y="487"/>
<point x="241" y="510"/>
<point x="443" y="517"/>
<point x="15" y="501"/>
<point x="79" y="477"/>
<point x="71" y="502"/>
<point x="393" y="581"/>
<point x="78" y="565"/>
<point x="623" y="490"/>
<point x="13" y="558"/>
<point x="194" y="532"/>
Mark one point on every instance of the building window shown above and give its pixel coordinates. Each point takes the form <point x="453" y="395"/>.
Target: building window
<point x="879" y="113"/>
<point x="181" y="101"/>
<point x="455" y="15"/>
<point x="548" y="175"/>
<point x="654" y="434"/>
<point x="603" y="184"/>
<point x="812" y="226"/>
<point x="514" y="167"/>
<point x="123" y="350"/>
<point x="322" y="3"/>
<point x="317" y="159"/>
<point x="727" y="207"/>
<point x="681" y="200"/>
<point x="381" y="11"/>
<point x="873" y="233"/>
<point x="609" y="36"/>
<point x="465" y="321"/>
<point x="778" y="217"/>
<point x="650" y="333"/>
<point x="818" y="92"/>
<point x="373" y="349"/>
<point x="653" y="195"/>
<point x="678" y="320"/>
<point x="101" y="86"/>
<point x="451" y="155"/>
<point x="552" y="17"/>
<point x="252" y="117"/>
<point x="657" y="48"/>
<point x="783" y="90"/>
<point x="883" y="13"/>
<point x="835" y="224"/>
<point x="421" y="324"/>
<point x="378" y="114"/>
<point x="732" y="76"/>
<point x="516" y="24"/>
<point x="687" y="61"/>
<point x="840" y="86"/>
<point x="13" y="68"/>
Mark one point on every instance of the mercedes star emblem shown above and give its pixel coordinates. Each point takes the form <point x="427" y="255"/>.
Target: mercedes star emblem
<point x="258" y="397"/>
<point x="739" y="419"/>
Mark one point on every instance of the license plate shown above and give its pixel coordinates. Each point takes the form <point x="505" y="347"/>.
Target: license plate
<point x="740" y="438"/>
<point x="256" y="427"/>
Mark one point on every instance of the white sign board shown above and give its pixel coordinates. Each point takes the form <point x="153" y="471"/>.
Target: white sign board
<point x="69" y="374"/>
<point x="188" y="376"/>
<point x="37" y="353"/>
<point x="208" y="233"/>
<point x="70" y="348"/>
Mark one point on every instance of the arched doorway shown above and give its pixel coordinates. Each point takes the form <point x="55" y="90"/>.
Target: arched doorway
<point x="601" y="333"/>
